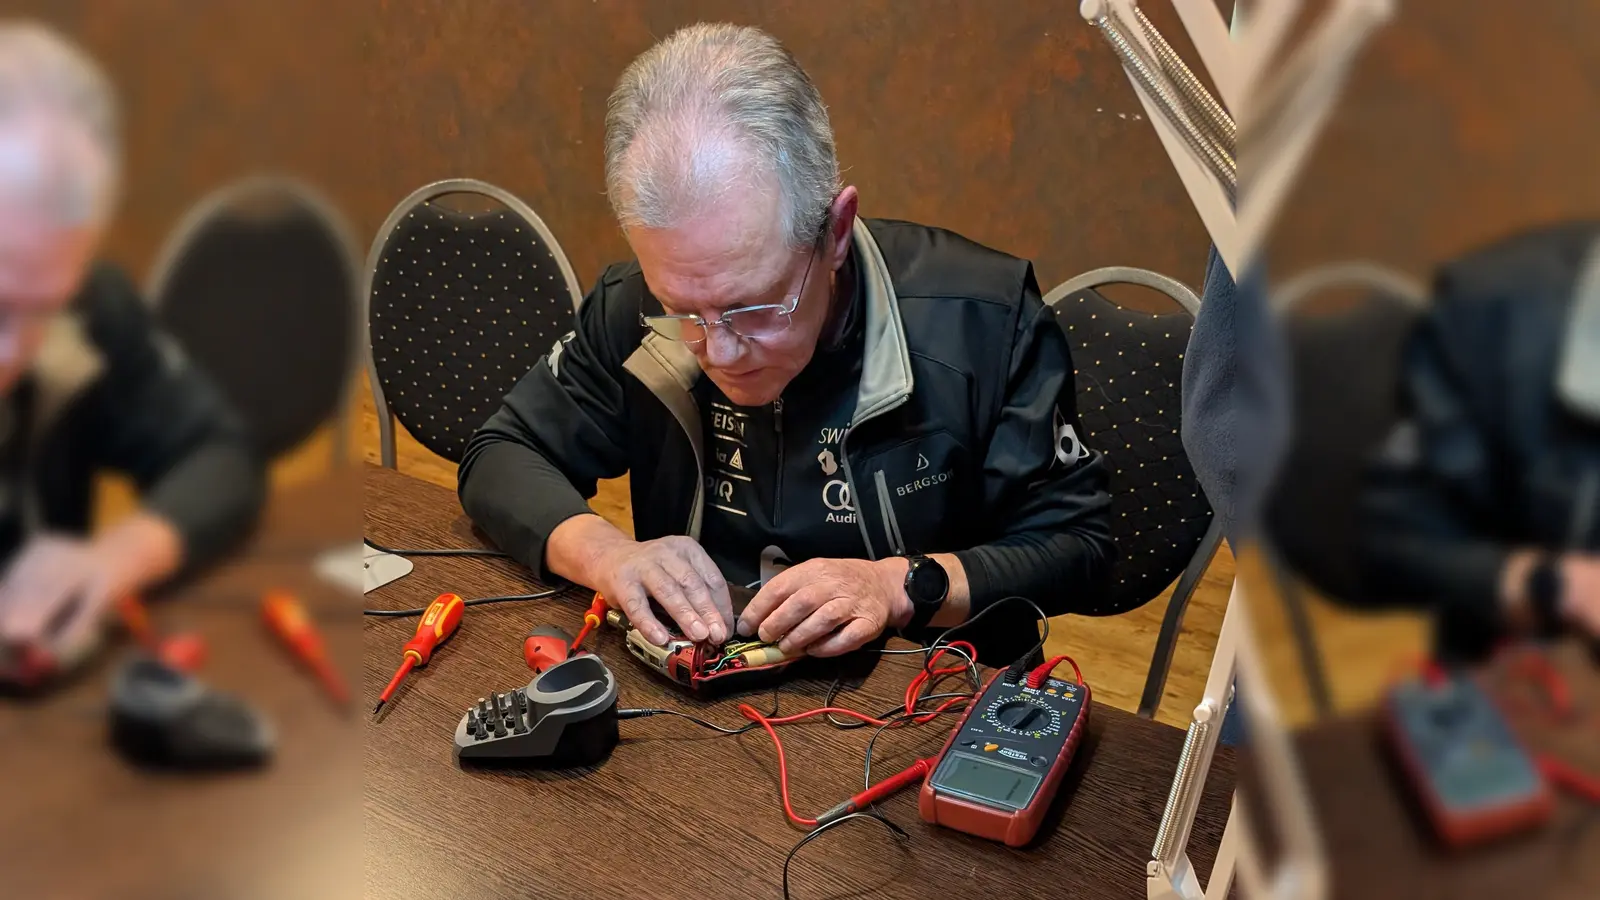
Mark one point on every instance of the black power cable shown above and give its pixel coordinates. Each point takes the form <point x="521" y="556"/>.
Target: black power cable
<point x="474" y="551"/>
<point x="399" y="613"/>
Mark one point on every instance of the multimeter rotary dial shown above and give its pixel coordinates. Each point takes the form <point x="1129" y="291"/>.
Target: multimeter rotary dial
<point x="1024" y="717"/>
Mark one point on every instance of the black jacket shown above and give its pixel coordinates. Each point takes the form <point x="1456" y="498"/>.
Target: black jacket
<point x="109" y="392"/>
<point x="1489" y="459"/>
<point x="950" y="443"/>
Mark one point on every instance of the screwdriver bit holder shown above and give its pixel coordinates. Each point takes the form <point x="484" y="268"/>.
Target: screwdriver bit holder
<point x="565" y="717"/>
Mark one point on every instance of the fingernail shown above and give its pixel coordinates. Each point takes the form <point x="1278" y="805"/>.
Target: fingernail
<point x="718" y="633"/>
<point x="744" y="628"/>
<point x="698" y="631"/>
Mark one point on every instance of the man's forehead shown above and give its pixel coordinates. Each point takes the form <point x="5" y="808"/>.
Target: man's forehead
<point x="707" y="269"/>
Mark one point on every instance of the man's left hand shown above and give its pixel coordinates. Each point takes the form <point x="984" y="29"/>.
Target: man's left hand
<point x="827" y="607"/>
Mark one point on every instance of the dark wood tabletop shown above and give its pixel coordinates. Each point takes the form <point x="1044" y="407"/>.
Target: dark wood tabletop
<point x="1379" y="846"/>
<point x="79" y="822"/>
<point x="677" y="811"/>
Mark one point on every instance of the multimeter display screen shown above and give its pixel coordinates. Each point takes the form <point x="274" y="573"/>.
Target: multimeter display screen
<point x="985" y="780"/>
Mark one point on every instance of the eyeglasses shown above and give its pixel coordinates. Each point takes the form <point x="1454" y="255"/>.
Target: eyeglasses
<point x="760" y="322"/>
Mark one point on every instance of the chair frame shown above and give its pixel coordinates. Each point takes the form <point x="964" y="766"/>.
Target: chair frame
<point x="1172" y="622"/>
<point x="386" y="419"/>
<point x="1285" y="301"/>
<point x="217" y="201"/>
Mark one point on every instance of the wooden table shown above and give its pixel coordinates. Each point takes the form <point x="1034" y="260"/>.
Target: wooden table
<point x="80" y="823"/>
<point x="678" y="811"/>
<point x="1379" y="846"/>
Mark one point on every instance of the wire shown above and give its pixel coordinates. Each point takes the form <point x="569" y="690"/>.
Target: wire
<point x="472" y="551"/>
<point x="899" y="834"/>
<point x="656" y="711"/>
<point x="397" y="613"/>
<point x="833" y="689"/>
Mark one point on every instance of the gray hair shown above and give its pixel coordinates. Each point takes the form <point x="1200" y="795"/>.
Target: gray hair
<point x="690" y="116"/>
<point x="59" y="142"/>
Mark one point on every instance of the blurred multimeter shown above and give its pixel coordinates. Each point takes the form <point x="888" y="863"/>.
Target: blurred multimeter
<point x="1000" y="769"/>
<point x="1474" y="778"/>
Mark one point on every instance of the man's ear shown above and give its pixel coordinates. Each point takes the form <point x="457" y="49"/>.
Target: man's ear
<point x="841" y="223"/>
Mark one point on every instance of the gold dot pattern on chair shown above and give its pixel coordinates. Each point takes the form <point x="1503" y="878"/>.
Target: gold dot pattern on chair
<point x="1127" y="368"/>
<point x="463" y="305"/>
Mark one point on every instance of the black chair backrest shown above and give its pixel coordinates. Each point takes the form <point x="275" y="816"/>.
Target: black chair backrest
<point x="1129" y="368"/>
<point x="468" y="290"/>
<point x="1346" y="370"/>
<point x="258" y="285"/>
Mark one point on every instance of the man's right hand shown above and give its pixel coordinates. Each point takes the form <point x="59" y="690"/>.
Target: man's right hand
<point x="1581" y="575"/>
<point x="675" y="571"/>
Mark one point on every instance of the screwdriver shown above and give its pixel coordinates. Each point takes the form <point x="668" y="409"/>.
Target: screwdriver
<point x="591" y="619"/>
<point x="545" y="646"/>
<point x="287" y="618"/>
<point x="438" y="623"/>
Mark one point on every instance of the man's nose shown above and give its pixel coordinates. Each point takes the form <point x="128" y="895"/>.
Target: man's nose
<point x="723" y="347"/>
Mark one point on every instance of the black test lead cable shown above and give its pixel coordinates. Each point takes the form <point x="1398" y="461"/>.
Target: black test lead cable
<point x="900" y="836"/>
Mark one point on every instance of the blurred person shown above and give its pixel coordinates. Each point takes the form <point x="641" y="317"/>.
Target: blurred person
<point x="87" y="382"/>
<point x="872" y="391"/>
<point x="1484" y="505"/>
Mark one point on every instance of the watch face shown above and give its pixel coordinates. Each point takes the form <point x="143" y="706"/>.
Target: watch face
<point x="927" y="581"/>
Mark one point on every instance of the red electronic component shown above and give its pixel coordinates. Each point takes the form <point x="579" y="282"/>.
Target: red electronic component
<point x="545" y="646"/>
<point x="438" y="623"/>
<point x="999" y="771"/>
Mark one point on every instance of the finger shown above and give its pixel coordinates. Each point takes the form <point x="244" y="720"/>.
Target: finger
<point x="83" y="619"/>
<point x="854" y="634"/>
<point x="796" y="608"/>
<point x="666" y="590"/>
<point x="698" y="595"/>
<point x="821" y="623"/>
<point x="721" y="600"/>
<point x="41" y="602"/>
<point x="635" y="604"/>
<point x="770" y="597"/>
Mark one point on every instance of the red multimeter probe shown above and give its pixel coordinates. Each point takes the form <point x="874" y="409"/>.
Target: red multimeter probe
<point x="1000" y="769"/>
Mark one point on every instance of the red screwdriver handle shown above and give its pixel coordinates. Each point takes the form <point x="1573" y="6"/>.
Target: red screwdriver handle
<point x="438" y="623"/>
<point x="545" y="646"/>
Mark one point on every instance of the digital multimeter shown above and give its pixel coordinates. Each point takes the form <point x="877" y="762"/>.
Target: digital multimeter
<point x="1000" y="769"/>
<point x="1475" y="780"/>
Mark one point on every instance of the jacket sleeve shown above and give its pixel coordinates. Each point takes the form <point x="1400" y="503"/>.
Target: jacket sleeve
<point x="1048" y="507"/>
<point x="156" y="417"/>
<point x="1429" y="506"/>
<point x="534" y="463"/>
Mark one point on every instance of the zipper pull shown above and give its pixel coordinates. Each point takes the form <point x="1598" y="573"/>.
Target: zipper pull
<point x="777" y="415"/>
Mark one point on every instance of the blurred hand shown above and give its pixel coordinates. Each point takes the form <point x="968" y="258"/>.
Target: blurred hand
<point x="678" y="574"/>
<point x="1581" y="574"/>
<point x="59" y="588"/>
<point x="826" y="607"/>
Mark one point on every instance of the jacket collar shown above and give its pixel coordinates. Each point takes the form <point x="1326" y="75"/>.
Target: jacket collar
<point x="668" y="367"/>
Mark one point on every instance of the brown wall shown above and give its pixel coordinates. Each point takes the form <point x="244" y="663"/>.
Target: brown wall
<point x="1002" y="120"/>
<point x="1466" y="119"/>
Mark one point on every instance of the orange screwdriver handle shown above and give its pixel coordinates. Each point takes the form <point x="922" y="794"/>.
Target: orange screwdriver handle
<point x="286" y="617"/>
<point x="591" y="619"/>
<point x="438" y="623"/>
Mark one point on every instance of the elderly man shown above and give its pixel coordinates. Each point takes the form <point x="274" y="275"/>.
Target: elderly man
<point x="1484" y="506"/>
<point x="86" y="383"/>
<point x="884" y="434"/>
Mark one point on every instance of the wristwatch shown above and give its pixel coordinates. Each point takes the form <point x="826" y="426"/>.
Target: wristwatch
<point x="1545" y="588"/>
<point x="927" y="584"/>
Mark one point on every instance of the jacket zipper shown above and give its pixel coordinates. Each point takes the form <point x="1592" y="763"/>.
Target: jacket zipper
<point x="849" y="476"/>
<point x="777" y="426"/>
